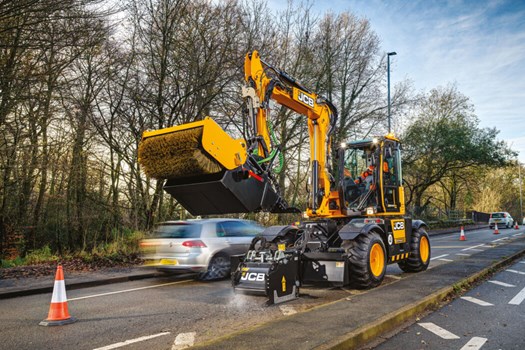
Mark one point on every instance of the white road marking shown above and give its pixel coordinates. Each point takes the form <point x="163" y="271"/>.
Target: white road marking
<point x="522" y="262"/>
<point x="514" y="271"/>
<point x="462" y="254"/>
<point x="499" y="239"/>
<point x="446" y="238"/>
<point x="477" y="301"/>
<point x="473" y="247"/>
<point x="439" y="256"/>
<point x="447" y="246"/>
<point x="474" y="344"/>
<point x="287" y="310"/>
<point x="127" y="290"/>
<point x="518" y="298"/>
<point x="396" y="277"/>
<point x="448" y="260"/>
<point x="132" y="341"/>
<point x="502" y="284"/>
<point x="183" y="341"/>
<point x="440" y="332"/>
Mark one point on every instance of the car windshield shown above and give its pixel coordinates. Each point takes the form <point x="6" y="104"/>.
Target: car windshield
<point x="177" y="230"/>
<point x="498" y="215"/>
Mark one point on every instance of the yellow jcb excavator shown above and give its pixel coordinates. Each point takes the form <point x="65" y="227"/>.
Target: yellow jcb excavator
<point x="356" y="219"/>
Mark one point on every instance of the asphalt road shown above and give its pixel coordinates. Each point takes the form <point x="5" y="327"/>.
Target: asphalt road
<point x="490" y="316"/>
<point x="171" y="313"/>
<point x="118" y="312"/>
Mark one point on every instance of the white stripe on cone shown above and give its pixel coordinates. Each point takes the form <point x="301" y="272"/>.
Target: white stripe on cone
<point x="59" y="292"/>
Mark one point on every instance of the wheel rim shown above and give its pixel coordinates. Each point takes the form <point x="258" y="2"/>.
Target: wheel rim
<point x="424" y="249"/>
<point x="377" y="260"/>
<point x="220" y="267"/>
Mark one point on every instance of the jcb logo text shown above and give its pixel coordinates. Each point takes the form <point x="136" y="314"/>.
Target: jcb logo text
<point x="307" y="100"/>
<point x="253" y="276"/>
<point x="400" y="225"/>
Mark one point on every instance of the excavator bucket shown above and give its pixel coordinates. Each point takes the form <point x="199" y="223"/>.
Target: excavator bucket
<point x="206" y="170"/>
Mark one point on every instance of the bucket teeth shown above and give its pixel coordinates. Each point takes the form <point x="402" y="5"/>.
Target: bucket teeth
<point x="176" y="155"/>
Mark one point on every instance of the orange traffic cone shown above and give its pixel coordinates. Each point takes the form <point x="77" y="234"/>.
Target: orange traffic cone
<point x="462" y="235"/>
<point x="496" y="231"/>
<point x="58" y="314"/>
<point x="516" y="227"/>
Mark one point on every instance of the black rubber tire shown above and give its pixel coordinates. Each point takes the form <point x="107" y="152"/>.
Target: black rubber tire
<point x="415" y="263"/>
<point x="218" y="268"/>
<point x="361" y="276"/>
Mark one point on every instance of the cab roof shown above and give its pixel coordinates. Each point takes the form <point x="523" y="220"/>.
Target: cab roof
<point x="371" y="141"/>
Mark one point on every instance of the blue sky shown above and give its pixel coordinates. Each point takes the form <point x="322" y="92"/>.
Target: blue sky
<point x="478" y="45"/>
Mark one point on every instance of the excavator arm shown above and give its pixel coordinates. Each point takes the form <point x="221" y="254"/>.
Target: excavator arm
<point x="264" y="82"/>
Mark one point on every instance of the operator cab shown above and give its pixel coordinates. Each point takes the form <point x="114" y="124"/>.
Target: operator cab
<point x="371" y="177"/>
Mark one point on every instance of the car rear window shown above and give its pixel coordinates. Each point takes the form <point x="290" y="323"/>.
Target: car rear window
<point x="498" y="215"/>
<point x="181" y="230"/>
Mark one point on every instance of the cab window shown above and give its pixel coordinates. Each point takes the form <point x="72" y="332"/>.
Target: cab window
<point x="391" y="172"/>
<point x="392" y="166"/>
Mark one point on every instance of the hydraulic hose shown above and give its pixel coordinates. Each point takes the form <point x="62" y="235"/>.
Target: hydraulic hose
<point x="280" y="155"/>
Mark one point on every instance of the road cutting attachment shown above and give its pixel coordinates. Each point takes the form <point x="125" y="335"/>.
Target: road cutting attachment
<point x="276" y="277"/>
<point x="270" y="268"/>
<point x="207" y="171"/>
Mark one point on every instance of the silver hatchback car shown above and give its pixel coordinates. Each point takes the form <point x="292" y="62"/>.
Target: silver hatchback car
<point x="203" y="246"/>
<point x="502" y="219"/>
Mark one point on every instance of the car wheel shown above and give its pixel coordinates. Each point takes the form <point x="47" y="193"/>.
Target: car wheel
<point x="218" y="268"/>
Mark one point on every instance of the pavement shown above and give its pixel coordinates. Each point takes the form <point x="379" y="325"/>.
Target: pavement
<point x="17" y="287"/>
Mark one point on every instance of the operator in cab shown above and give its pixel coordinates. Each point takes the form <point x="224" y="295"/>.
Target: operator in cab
<point x="366" y="177"/>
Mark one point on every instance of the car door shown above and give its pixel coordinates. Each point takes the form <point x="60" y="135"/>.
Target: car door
<point x="239" y="235"/>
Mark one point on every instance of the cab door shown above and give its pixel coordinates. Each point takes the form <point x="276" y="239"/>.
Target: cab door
<point x="391" y="177"/>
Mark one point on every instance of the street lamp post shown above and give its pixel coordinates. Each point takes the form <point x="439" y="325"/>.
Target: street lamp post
<point x="388" y="75"/>
<point x="521" y="201"/>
